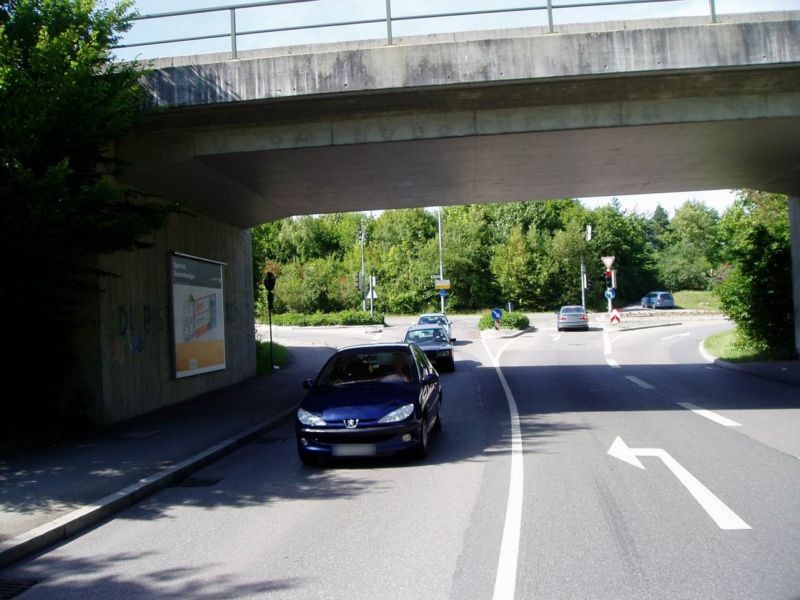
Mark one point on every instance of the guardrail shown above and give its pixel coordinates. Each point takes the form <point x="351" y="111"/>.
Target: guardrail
<point x="388" y="19"/>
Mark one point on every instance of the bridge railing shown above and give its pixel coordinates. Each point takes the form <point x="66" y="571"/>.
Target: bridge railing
<point x="388" y="19"/>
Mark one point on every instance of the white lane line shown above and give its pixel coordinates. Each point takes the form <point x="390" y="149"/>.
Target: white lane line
<point x="639" y="382"/>
<point x="506" y="580"/>
<point x="709" y="414"/>
<point x="612" y="363"/>
<point x="701" y="348"/>
<point x="677" y="335"/>
<point x="555" y="336"/>
<point x="606" y="343"/>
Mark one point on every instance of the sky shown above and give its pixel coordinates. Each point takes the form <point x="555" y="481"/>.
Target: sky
<point x="337" y="11"/>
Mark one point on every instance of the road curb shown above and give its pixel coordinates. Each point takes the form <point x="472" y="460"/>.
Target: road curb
<point x="67" y="525"/>
<point x="743" y="369"/>
<point x="625" y="328"/>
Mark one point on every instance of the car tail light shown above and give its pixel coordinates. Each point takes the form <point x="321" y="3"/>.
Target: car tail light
<point x="584" y="318"/>
<point x="563" y="317"/>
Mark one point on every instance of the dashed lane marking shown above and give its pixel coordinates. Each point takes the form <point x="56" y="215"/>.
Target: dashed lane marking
<point x="639" y="382"/>
<point x="709" y="414"/>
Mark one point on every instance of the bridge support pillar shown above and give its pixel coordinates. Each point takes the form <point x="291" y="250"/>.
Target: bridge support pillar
<point x="794" y="225"/>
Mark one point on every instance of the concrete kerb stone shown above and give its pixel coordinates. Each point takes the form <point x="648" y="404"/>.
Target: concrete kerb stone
<point x="67" y="525"/>
<point x="637" y="327"/>
<point x="743" y="369"/>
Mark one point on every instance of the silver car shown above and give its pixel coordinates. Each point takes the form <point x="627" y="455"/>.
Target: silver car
<point x="572" y="317"/>
<point x="658" y="300"/>
<point x="437" y="319"/>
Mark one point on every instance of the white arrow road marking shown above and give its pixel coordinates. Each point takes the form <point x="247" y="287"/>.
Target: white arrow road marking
<point x="709" y="414"/>
<point x="723" y="516"/>
<point x="677" y="335"/>
<point x="612" y="363"/>
<point x="506" y="579"/>
<point x="639" y="382"/>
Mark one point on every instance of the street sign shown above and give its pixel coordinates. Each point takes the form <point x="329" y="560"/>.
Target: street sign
<point x="443" y="293"/>
<point x="497" y="314"/>
<point x="372" y="294"/>
<point x="608" y="261"/>
<point x="610" y="293"/>
<point x="442" y="284"/>
<point x="723" y="516"/>
<point x="615" y="316"/>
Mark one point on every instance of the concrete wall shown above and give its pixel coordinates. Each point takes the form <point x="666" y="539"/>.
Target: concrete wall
<point x="794" y="225"/>
<point x="134" y="320"/>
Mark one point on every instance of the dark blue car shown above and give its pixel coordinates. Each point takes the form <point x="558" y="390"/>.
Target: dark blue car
<point x="371" y="400"/>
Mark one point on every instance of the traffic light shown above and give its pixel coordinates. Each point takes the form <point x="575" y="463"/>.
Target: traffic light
<point x="607" y="275"/>
<point x="359" y="280"/>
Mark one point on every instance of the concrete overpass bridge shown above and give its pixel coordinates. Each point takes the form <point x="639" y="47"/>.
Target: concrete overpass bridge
<point x="606" y="109"/>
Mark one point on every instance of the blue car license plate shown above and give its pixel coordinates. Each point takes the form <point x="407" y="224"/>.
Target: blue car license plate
<point x="353" y="450"/>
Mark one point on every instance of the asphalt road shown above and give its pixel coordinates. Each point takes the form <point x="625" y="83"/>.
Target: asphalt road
<point x="713" y="513"/>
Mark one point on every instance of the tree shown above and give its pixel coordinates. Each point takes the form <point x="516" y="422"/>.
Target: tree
<point x="625" y="237"/>
<point x="757" y="293"/>
<point x="512" y="265"/>
<point x="62" y="102"/>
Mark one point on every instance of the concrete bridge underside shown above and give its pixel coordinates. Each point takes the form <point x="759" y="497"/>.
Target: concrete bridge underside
<point x="623" y="108"/>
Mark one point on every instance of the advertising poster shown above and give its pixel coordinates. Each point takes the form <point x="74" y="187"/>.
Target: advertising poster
<point x="197" y="315"/>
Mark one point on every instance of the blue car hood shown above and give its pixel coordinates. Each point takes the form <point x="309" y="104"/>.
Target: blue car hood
<point x="359" y="401"/>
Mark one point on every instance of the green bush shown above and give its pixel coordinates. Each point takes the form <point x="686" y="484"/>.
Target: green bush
<point x="280" y="356"/>
<point x="757" y="295"/>
<point x="346" y="317"/>
<point x="510" y="320"/>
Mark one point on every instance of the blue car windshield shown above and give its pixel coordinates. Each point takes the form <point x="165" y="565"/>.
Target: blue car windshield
<point x="351" y="368"/>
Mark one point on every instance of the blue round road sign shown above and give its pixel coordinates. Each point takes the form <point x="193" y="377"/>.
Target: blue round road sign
<point x="497" y="314"/>
<point x="443" y="293"/>
<point x="610" y="293"/>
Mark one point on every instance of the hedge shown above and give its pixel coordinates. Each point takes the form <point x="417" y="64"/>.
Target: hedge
<point x="280" y="356"/>
<point x="510" y="320"/>
<point x="346" y="317"/>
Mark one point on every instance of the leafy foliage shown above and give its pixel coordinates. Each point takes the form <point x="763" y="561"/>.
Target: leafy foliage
<point x="347" y="317"/>
<point x="280" y="356"/>
<point x="62" y="102"/>
<point x="510" y="320"/>
<point x="757" y="294"/>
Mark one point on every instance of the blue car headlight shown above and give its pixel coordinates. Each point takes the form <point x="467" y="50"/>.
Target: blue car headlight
<point x="310" y="419"/>
<point x="400" y="414"/>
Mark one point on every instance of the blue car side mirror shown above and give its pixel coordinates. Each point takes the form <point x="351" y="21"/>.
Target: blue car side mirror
<point x="430" y="378"/>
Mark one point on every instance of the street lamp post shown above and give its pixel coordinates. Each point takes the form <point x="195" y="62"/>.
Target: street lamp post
<point x="441" y="256"/>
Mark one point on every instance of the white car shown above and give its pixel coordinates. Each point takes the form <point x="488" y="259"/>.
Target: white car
<point x="437" y="319"/>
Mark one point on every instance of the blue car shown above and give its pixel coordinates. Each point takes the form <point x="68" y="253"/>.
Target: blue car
<point x="371" y="400"/>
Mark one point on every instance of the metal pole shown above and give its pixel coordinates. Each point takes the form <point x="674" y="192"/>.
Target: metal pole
<point x="441" y="256"/>
<point x="371" y="294"/>
<point x="583" y="284"/>
<point x="271" y="361"/>
<point x="233" y="33"/>
<point x="389" y="39"/>
<point x="713" y="8"/>
<point x="550" y="14"/>
<point x="362" y="235"/>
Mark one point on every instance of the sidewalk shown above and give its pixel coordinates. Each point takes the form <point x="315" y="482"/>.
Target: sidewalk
<point x="48" y="495"/>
